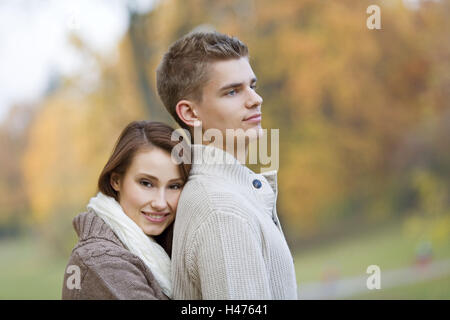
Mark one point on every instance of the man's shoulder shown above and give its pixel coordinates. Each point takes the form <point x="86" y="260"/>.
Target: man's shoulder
<point x="214" y="193"/>
<point x="200" y="205"/>
<point x="209" y="182"/>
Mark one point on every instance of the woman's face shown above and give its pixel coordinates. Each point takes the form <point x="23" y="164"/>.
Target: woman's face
<point x="149" y="190"/>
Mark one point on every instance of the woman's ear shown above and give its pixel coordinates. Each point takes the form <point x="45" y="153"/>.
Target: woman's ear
<point x="187" y="113"/>
<point x="115" y="181"/>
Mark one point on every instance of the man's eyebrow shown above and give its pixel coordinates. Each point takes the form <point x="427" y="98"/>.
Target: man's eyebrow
<point x="231" y="85"/>
<point x="237" y="84"/>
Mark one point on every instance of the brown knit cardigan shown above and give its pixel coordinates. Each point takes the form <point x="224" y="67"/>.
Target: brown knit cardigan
<point x="107" y="269"/>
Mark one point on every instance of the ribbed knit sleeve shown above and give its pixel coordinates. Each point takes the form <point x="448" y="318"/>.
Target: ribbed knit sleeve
<point x="117" y="278"/>
<point x="109" y="274"/>
<point x="226" y="255"/>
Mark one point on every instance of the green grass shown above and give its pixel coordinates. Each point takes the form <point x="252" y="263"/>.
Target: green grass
<point x="388" y="248"/>
<point x="29" y="271"/>
<point x="433" y="289"/>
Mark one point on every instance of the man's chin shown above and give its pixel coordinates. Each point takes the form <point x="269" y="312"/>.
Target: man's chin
<point x="255" y="133"/>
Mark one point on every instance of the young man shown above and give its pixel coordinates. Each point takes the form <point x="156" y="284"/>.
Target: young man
<point x="228" y="243"/>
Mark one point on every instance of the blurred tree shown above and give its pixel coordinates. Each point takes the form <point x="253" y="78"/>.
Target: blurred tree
<point x="424" y="163"/>
<point x="142" y="50"/>
<point x="346" y="99"/>
<point x="70" y="141"/>
<point x="14" y="205"/>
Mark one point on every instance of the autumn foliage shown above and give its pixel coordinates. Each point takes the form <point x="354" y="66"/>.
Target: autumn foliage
<point x="363" y="114"/>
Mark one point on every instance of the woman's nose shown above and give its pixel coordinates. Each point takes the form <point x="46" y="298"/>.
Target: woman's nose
<point x="159" y="202"/>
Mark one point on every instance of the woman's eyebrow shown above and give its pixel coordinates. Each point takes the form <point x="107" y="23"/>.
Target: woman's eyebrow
<point x="155" y="178"/>
<point x="148" y="176"/>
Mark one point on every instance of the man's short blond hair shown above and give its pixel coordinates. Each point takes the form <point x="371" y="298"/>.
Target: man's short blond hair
<point x="183" y="71"/>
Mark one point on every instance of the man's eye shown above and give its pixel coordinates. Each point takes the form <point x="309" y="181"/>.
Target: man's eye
<point x="146" y="183"/>
<point x="232" y="92"/>
<point x="253" y="86"/>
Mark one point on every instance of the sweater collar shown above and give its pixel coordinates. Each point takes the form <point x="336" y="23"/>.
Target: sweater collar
<point x="209" y="160"/>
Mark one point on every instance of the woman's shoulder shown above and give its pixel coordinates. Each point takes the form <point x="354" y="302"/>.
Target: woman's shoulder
<point x="88" y="225"/>
<point x="98" y="244"/>
<point x="110" y="271"/>
<point x="94" y="250"/>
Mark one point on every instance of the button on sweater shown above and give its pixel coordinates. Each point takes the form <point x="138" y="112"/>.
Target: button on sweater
<point x="228" y="242"/>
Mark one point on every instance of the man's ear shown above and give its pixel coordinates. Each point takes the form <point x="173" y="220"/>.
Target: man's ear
<point x="185" y="110"/>
<point x="115" y="181"/>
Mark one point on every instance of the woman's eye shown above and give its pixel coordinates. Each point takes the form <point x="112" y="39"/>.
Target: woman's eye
<point x="253" y="87"/>
<point x="176" y="186"/>
<point x="146" y="183"/>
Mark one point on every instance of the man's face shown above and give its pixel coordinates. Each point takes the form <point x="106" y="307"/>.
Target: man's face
<point x="229" y="97"/>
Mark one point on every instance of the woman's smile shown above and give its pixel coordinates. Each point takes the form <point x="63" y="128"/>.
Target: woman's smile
<point x="155" y="217"/>
<point x="149" y="190"/>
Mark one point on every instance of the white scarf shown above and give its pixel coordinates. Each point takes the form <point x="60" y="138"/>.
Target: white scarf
<point x="132" y="236"/>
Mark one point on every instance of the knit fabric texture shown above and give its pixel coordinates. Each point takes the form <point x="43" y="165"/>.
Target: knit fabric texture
<point x="107" y="270"/>
<point x="228" y="242"/>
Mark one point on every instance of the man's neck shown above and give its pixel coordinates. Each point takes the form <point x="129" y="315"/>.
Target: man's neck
<point x="240" y="154"/>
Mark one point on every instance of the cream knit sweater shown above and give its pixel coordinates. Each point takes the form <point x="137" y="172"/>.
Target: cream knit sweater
<point x="228" y="242"/>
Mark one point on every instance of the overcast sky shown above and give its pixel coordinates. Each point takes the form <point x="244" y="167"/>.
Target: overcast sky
<point x="33" y="40"/>
<point x="34" y="45"/>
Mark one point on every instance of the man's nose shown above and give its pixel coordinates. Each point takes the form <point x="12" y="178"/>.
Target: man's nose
<point x="254" y="99"/>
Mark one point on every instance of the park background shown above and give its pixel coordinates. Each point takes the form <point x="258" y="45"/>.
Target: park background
<point x="364" y="119"/>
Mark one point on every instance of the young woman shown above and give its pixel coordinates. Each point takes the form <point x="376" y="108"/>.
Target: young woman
<point x="124" y="243"/>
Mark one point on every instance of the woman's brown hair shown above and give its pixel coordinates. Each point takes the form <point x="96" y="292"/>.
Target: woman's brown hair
<point x="136" y="136"/>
